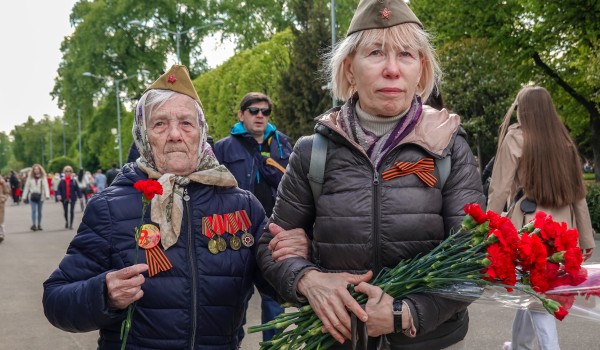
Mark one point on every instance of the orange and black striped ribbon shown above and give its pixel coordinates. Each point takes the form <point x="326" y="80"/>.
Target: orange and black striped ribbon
<point x="157" y="261"/>
<point x="423" y="169"/>
<point x="233" y="223"/>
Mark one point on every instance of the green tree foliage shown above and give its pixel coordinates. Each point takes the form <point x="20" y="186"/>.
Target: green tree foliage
<point x="553" y="43"/>
<point x="257" y="69"/>
<point x="302" y="95"/>
<point x="4" y="151"/>
<point x="477" y="88"/>
<point x="57" y="164"/>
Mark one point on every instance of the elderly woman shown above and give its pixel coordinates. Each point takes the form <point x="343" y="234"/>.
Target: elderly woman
<point x="371" y="214"/>
<point x="207" y="228"/>
<point x="68" y="193"/>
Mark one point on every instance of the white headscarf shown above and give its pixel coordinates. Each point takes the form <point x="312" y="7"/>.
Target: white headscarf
<point x="167" y="209"/>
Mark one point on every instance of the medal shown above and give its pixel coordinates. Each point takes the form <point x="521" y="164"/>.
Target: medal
<point x="155" y="257"/>
<point x="247" y="240"/>
<point x="212" y="246"/>
<point x="149" y="236"/>
<point x="235" y="242"/>
<point x="221" y="244"/>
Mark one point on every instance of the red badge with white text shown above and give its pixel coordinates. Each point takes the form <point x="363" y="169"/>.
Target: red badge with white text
<point x="155" y="257"/>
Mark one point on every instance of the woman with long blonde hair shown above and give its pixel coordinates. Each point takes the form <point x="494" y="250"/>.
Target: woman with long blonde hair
<point x="537" y="168"/>
<point x="36" y="190"/>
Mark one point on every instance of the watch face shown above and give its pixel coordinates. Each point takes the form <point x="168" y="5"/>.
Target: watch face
<point x="397" y="311"/>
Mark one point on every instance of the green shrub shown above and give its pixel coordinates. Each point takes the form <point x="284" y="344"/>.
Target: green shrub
<point x="593" y="201"/>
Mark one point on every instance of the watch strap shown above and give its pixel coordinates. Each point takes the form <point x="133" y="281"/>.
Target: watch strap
<point x="397" y="313"/>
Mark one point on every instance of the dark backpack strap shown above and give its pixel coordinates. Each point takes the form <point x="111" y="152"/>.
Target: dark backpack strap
<point x="316" y="170"/>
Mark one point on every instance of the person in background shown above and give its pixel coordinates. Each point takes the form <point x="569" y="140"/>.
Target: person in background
<point x="100" y="180"/>
<point x="4" y="194"/>
<point x="68" y="193"/>
<point x="111" y="174"/>
<point x="82" y="182"/>
<point x="35" y="191"/>
<point x="371" y="214"/>
<point x="257" y="154"/>
<point x="55" y="182"/>
<point x="15" y="185"/>
<point x="536" y="168"/>
<point x="199" y="301"/>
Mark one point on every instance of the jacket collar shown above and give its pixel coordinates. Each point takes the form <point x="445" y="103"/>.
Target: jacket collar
<point x="238" y="129"/>
<point x="435" y="130"/>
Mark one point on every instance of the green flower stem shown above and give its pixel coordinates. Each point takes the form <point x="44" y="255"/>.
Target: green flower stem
<point x="457" y="257"/>
<point x="127" y="323"/>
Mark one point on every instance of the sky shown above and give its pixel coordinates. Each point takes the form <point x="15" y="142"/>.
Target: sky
<point x="31" y="32"/>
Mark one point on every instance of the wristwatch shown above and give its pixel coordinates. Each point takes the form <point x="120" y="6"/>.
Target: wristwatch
<point x="397" y="312"/>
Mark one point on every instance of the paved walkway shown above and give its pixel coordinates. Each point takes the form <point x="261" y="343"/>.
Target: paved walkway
<point x="27" y="258"/>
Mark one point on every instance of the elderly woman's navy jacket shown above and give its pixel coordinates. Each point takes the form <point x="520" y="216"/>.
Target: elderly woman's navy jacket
<point x="198" y="304"/>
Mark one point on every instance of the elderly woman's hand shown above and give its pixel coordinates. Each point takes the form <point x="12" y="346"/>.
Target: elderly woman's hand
<point x="125" y="286"/>
<point x="288" y="243"/>
<point x="379" y="308"/>
<point x="328" y="295"/>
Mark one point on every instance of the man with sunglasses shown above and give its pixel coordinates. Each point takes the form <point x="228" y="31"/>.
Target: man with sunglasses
<point x="257" y="155"/>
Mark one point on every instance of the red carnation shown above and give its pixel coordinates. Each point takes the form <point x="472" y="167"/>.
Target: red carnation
<point x="573" y="260"/>
<point x="474" y="210"/>
<point x="561" y="313"/>
<point x="149" y="188"/>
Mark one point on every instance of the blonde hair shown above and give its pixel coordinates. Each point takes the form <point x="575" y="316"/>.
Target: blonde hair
<point x="549" y="171"/>
<point x="406" y="36"/>
<point x="42" y="171"/>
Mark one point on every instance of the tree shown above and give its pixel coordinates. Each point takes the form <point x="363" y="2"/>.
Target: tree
<point x="4" y="150"/>
<point x="301" y="93"/>
<point x="553" y="43"/>
<point x="257" y="69"/>
<point x="476" y="87"/>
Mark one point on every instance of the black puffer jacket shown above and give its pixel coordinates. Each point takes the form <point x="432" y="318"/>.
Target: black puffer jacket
<point x="362" y="222"/>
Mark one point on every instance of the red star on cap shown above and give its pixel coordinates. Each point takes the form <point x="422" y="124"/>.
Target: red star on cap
<point x="171" y="79"/>
<point x="385" y="13"/>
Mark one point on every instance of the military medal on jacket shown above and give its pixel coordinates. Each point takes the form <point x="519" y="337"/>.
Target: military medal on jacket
<point x="216" y="226"/>
<point x="155" y="257"/>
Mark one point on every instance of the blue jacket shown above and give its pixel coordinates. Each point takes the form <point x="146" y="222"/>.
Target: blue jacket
<point x="198" y="304"/>
<point x="250" y="168"/>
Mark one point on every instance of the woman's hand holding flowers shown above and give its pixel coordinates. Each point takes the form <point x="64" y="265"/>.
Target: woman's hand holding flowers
<point x="328" y="296"/>
<point x="124" y="286"/>
<point x="379" y="308"/>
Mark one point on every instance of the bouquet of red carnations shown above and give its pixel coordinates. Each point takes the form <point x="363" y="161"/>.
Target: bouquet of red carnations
<point x="487" y="251"/>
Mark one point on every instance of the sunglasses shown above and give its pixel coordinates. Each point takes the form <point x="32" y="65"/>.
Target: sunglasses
<point x="254" y="111"/>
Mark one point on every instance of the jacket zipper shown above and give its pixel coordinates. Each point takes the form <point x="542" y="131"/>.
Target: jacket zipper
<point x="191" y="256"/>
<point x="376" y="210"/>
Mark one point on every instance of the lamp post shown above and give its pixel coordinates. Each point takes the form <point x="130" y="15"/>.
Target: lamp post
<point x="79" y="136"/>
<point x="64" y="138"/>
<point x="333" y="39"/>
<point x="116" y="84"/>
<point x="177" y="33"/>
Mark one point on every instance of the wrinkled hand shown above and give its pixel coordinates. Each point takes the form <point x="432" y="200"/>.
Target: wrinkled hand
<point x="379" y="308"/>
<point x="288" y="244"/>
<point x="587" y="253"/>
<point x="125" y="286"/>
<point x="328" y="295"/>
